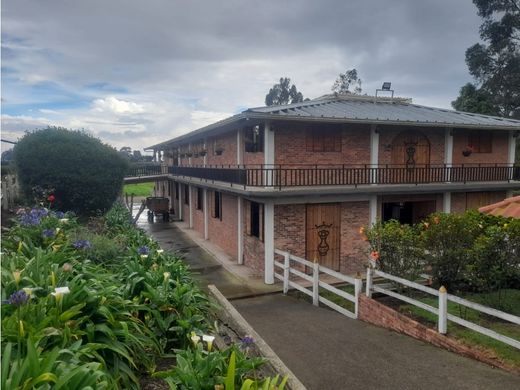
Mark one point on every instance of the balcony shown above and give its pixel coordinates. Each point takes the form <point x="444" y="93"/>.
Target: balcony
<point x="284" y="176"/>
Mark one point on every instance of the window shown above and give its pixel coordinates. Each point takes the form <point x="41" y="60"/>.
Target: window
<point x="176" y="190"/>
<point x="480" y="141"/>
<point x="186" y="194"/>
<point x="217" y="205"/>
<point x="200" y="199"/>
<point x="254" y="139"/>
<point x="255" y="220"/>
<point x="324" y="138"/>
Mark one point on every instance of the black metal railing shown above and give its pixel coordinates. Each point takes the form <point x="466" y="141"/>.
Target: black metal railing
<point x="140" y="170"/>
<point x="333" y="175"/>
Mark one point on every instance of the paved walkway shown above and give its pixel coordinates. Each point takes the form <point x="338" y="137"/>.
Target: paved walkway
<point x="323" y="348"/>
<point x="327" y="350"/>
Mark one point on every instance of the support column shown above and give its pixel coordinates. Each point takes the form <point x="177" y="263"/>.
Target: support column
<point x="268" y="153"/>
<point x="240" y="227"/>
<point x="180" y="202"/>
<point x="269" y="242"/>
<point x="190" y="205"/>
<point x="446" y="202"/>
<point x="448" y="151"/>
<point x="512" y="148"/>
<point x="206" y="215"/>
<point x="372" y="205"/>
<point x="374" y="152"/>
<point x="240" y="158"/>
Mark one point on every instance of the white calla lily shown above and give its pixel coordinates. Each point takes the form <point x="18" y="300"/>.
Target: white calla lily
<point x="209" y="340"/>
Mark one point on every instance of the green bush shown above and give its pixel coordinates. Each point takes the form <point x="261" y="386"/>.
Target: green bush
<point x="398" y="248"/>
<point x="83" y="174"/>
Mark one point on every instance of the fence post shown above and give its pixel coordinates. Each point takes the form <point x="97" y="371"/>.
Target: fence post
<point x="316" y="283"/>
<point x="358" y="287"/>
<point x="443" y="310"/>
<point x="286" y="266"/>
<point x="368" y="292"/>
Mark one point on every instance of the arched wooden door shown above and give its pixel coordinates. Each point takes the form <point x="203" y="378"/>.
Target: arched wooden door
<point x="411" y="148"/>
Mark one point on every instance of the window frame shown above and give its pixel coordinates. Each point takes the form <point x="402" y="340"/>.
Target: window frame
<point x="254" y="139"/>
<point x="480" y="141"/>
<point x="200" y="199"/>
<point x="217" y="205"/>
<point x="186" y="194"/>
<point x="324" y="139"/>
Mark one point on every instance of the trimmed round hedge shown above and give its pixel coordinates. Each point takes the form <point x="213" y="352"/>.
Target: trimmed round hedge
<point x="83" y="174"/>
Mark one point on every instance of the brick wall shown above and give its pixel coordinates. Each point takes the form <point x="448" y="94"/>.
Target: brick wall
<point x="254" y="248"/>
<point x="378" y="314"/>
<point x="353" y="248"/>
<point x="289" y="228"/>
<point x="224" y="232"/>
<point x="499" y="154"/>
<point x="388" y="133"/>
<point x="226" y="141"/>
<point x="291" y="146"/>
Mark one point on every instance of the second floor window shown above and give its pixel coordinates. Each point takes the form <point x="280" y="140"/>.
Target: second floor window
<point x="480" y="141"/>
<point x="254" y="139"/>
<point x="255" y="227"/>
<point x="324" y="139"/>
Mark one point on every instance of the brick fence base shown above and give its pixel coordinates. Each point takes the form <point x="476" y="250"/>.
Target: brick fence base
<point x="378" y="314"/>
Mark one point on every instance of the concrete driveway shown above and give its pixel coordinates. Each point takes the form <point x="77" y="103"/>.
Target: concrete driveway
<point x="327" y="350"/>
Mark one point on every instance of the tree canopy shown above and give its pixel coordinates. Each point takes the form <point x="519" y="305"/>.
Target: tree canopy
<point x="346" y="81"/>
<point x="495" y="65"/>
<point x="83" y="174"/>
<point x="283" y="93"/>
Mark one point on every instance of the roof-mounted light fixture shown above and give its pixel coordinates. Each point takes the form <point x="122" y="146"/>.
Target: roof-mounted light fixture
<point x="386" y="87"/>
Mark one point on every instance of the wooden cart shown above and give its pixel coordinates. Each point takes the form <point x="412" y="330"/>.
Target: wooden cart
<point x="158" y="206"/>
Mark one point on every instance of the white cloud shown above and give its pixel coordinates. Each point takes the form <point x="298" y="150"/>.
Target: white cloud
<point x="117" y="106"/>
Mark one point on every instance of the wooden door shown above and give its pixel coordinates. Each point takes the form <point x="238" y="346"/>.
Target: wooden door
<point x="411" y="148"/>
<point x="323" y="234"/>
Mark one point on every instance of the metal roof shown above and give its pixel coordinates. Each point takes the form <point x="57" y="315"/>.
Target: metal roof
<point x="360" y="109"/>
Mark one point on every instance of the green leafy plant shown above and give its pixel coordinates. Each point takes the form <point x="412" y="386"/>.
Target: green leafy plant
<point x="84" y="174"/>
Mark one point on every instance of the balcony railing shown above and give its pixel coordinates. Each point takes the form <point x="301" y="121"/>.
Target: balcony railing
<point x="280" y="176"/>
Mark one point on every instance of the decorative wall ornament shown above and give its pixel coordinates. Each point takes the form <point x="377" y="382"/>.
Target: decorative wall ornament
<point x="323" y="234"/>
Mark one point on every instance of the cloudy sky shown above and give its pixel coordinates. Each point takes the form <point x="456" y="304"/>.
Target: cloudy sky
<point x="136" y="72"/>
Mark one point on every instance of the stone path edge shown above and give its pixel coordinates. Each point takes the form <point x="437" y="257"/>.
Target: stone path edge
<point x="227" y="312"/>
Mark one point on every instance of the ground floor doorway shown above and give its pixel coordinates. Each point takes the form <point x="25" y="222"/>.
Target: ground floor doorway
<point x="408" y="212"/>
<point x="323" y="230"/>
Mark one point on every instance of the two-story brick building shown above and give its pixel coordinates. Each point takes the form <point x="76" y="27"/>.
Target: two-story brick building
<point x="305" y="177"/>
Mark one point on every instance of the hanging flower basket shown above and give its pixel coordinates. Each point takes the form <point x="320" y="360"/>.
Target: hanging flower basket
<point x="467" y="151"/>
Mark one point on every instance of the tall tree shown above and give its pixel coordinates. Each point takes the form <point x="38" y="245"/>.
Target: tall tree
<point x="495" y="65"/>
<point x="473" y="99"/>
<point x="347" y="80"/>
<point x="283" y="93"/>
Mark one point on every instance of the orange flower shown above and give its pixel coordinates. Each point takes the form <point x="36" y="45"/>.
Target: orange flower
<point x="436" y="220"/>
<point x="374" y="255"/>
<point x="362" y="230"/>
<point x="426" y="225"/>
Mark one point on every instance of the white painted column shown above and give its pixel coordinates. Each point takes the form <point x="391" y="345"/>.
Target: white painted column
<point x="374" y="145"/>
<point x="180" y="201"/>
<point x="268" y="152"/>
<point x="446" y="202"/>
<point x="512" y="148"/>
<point x="205" y="147"/>
<point x="372" y="205"/>
<point x="190" y="205"/>
<point x="269" y="242"/>
<point x="240" y="157"/>
<point x="448" y="152"/>
<point x="240" y="233"/>
<point x="206" y="214"/>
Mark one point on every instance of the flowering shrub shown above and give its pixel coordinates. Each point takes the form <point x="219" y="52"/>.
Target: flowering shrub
<point x="107" y="321"/>
<point x="470" y="251"/>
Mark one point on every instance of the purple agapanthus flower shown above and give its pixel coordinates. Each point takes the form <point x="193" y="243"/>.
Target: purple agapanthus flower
<point x="82" y="244"/>
<point x="247" y="341"/>
<point x="143" y="250"/>
<point x="29" y="220"/>
<point x="48" y="233"/>
<point x="18" y="298"/>
<point x="59" y="214"/>
<point x="39" y="212"/>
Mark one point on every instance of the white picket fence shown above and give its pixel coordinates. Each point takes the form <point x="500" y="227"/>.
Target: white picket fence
<point x="442" y="310"/>
<point x="316" y="283"/>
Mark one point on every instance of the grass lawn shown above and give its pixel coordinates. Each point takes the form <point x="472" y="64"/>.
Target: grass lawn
<point x="140" y="189"/>
<point x="510" y="301"/>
